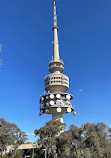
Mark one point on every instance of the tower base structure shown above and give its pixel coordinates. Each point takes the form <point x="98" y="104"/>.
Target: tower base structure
<point x="57" y="117"/>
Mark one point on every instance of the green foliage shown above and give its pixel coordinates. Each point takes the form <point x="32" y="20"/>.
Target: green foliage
<point x="96" y="139"/>
<point x="51" y="129"/>
<point x="7" y="156"/>
<point x="47" y="136"/>
<point x="91" y="140"/>
<point x="10" y="134"/>
<point x="19" y="154"/>
<point x="39" y="153"/>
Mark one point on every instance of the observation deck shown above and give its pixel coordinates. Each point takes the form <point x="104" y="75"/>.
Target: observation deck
<point x="56" y="66"/>
<point x="56" y="82"/>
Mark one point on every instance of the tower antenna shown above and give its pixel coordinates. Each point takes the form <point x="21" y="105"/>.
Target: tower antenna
<point x="55" y="37"/>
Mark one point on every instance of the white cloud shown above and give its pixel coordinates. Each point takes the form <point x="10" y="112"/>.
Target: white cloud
<point x="81" y="90"/>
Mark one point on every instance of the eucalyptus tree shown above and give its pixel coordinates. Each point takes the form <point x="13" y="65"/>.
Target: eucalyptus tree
<point x="10" y="134"/>
<point x="47" y="136"/>
<point x="91" y="140"/>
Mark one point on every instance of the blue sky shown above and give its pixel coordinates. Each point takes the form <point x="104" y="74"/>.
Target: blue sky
<point x="85" y="48"/>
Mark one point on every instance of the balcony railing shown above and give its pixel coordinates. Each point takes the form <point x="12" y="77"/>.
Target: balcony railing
<point x="61" y="61"/>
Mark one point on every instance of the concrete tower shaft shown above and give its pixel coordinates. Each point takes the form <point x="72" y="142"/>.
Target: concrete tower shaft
<point x="55" y="46"/>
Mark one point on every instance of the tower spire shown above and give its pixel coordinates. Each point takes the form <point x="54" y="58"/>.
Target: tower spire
<point x="55" y="16"/>
<point x="55" y="37"/>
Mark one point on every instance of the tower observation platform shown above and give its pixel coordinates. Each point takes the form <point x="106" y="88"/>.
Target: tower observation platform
<point x="56" y="102"/>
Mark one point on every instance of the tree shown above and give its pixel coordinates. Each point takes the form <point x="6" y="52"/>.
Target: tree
<point x="69" y="143"/>
<point x="51" y="129"/>
<point x="97" y="140"/>
<point x="91" y="140"/>
<point x="10" y="134"/>
<point x="63" y="143"/>
<point x="47" y="136"/>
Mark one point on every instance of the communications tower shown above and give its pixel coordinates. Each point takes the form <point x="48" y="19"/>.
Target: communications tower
<point x="56" y="102"/>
